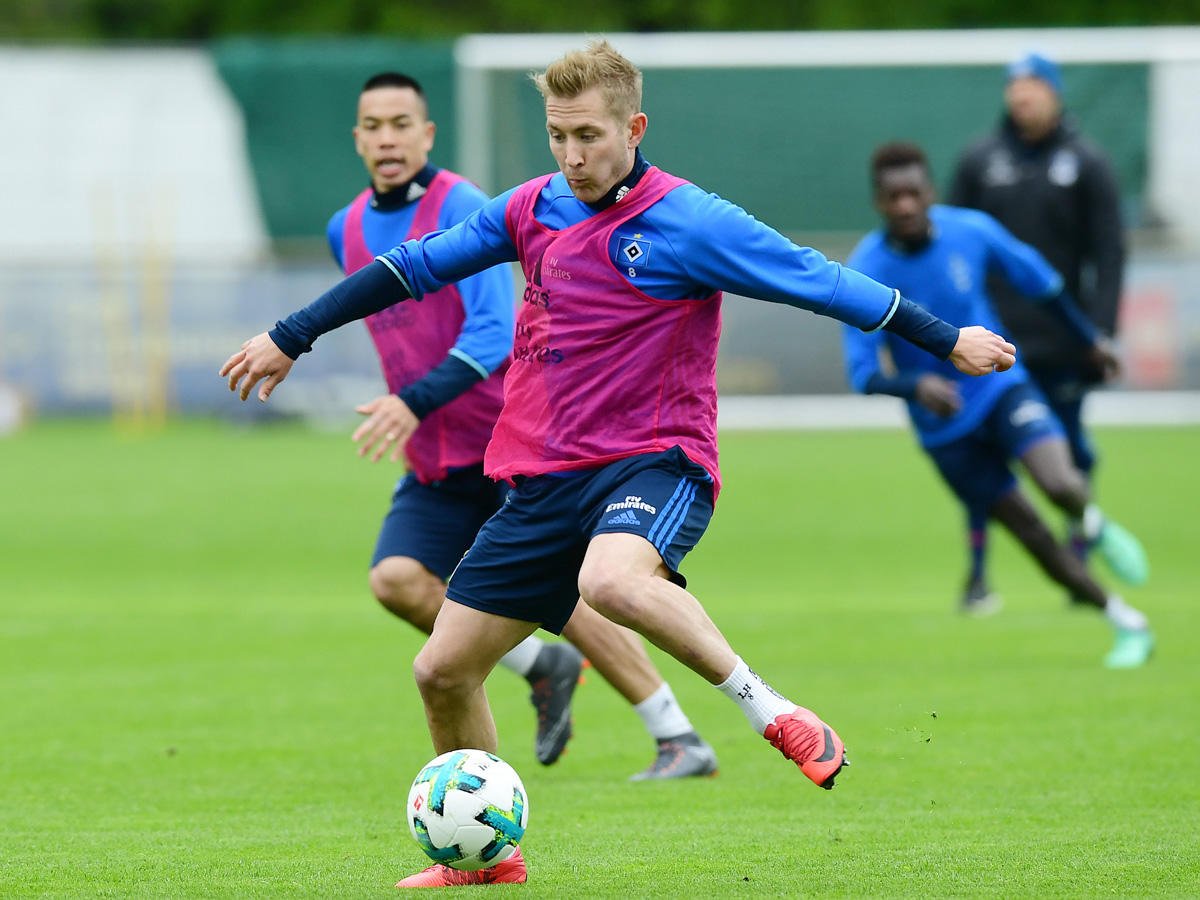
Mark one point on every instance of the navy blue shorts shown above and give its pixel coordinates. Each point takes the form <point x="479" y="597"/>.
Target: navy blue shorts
<point x="435" y="523"/>
<point x="525" y="562"/>
<point x="977" y="466"/>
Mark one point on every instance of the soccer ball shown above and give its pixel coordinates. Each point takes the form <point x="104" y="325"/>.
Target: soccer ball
<point x="467" y="809"/>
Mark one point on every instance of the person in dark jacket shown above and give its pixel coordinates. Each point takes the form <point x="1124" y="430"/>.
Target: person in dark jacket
<point x="1055" y="190"/>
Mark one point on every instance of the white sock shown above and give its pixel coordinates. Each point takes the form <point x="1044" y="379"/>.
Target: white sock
<point x="662" y="715"/>
<point x="1124" y="616"/>
<point x="1092" y="522"/>
<point x="760" y="702"/>
<point x="520" y="658"/>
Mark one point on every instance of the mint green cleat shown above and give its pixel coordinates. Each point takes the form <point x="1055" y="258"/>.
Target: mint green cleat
<point x="1123" y="553"/>
<point x="1132" y="649"/>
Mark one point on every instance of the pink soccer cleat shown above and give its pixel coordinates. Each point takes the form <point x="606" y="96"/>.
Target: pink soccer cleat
<point x="511" y="871"/>
<point x="810" y="744"/>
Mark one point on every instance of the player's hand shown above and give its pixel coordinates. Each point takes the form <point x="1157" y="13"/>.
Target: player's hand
<point x="938" y="395"/>
<point x="258" y="360"/>
<point x="1103" y="355"/>
<point x="979" y="351"/>
<point x="390" y="423"/>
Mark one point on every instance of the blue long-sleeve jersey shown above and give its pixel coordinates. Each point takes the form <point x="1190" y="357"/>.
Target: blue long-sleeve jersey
<point x="948" y="277"/>
<point x="686" y="246"/>
<point x="674" y="258"/>
<point x="488" y="297"/>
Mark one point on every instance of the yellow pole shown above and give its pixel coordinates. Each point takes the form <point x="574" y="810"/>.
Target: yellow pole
<point x="115" y="310"/>
<point x="156" y="307"/>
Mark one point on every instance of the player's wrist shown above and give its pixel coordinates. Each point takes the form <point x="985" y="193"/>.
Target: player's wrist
<point x="449" y="379"/>
<point x="922" y="328"/>
<point x="288" y="342"/>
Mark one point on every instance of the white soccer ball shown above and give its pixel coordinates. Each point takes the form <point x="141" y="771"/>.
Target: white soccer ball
<point x="467" y="809"/>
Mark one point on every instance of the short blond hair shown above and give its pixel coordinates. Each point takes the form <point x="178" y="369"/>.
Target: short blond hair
<point x="598" y="65"/>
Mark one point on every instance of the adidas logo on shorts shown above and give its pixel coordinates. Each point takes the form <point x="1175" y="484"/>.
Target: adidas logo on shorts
<point x="625" y="518"/>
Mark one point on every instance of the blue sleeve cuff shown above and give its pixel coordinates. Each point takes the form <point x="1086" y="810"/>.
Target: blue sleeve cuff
<point x="370" y="289"/>
<point x="903" y="384"/>
<point x="922" y="328"/>
<point x="444" y="382"/>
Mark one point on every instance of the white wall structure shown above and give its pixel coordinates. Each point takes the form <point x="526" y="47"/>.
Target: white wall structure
<point x="841" y="412"/>
<point x="121" y="154"/>
<point x="1174" y="183"/>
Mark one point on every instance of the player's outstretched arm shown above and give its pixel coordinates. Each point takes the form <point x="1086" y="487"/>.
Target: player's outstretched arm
<point x="972" y="350"/>
<point x="258" y="360"/>
<point x="979" y="351"/>
<point x="268" y="357"/>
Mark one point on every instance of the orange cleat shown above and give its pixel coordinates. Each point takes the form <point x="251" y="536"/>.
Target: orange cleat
<point x="511" y="871"/>
<point x="810" y="744"/>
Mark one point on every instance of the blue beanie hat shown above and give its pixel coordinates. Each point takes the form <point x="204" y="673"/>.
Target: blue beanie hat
<point x="1034" y="65"/>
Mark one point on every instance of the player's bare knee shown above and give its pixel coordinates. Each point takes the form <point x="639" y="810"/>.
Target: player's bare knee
<point x="610" y="593"/>
<point x="399" y="584"/>
<point x="438" y="675"/>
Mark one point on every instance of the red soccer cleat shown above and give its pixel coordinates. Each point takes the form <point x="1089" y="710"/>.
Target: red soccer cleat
<point x="511" y="871"/>
<point x="810" y="744"/>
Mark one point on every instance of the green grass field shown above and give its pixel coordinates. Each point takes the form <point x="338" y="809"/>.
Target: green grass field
<point x="198" y="698"/>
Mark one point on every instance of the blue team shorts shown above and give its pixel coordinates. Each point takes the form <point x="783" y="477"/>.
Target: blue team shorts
<point x="435" y="523"/>
<point x="977" y="465"/>
<point x="525" y="562"/>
